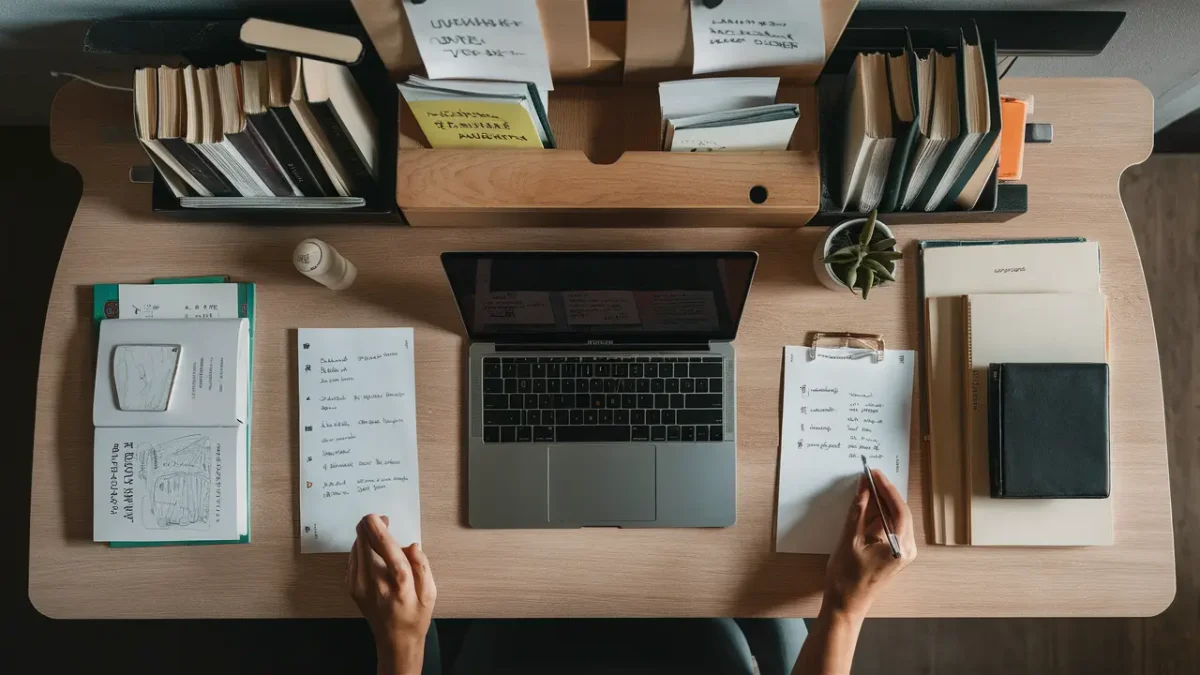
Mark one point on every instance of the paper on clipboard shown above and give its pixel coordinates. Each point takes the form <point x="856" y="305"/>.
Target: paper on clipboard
<point x="837" y="406"/>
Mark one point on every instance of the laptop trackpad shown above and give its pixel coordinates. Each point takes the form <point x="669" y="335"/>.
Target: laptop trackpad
<point x="601" y="483"/>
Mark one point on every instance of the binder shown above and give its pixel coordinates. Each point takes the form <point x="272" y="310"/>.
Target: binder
<point x="984" y="143"/>
<point x="905" y="132"/>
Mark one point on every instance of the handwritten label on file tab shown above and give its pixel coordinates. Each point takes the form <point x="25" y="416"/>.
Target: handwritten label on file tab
<point x="358" y="435"/>
<point x="835" y="408"/>
<point x="481" y="40"/>
<point x="756" y="34"/>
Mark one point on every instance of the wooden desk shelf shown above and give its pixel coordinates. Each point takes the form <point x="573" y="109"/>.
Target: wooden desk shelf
<point x="607" y="170"/>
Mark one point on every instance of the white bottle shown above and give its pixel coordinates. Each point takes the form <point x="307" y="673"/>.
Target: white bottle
<point x="321" y="262"/>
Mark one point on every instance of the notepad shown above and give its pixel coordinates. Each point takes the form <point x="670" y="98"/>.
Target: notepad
<point x="837" y="406"/>
<point x="469" y="114"/>
<point x="358" y="435"/>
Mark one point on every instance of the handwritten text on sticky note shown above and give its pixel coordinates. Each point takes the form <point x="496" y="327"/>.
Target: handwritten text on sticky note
<point x="481" y="39"/>
<point x="756" y="34"/>
<point x="475" y="124"/>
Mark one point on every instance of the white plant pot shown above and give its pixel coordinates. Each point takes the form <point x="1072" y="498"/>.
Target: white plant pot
<point x="825" y="272"/>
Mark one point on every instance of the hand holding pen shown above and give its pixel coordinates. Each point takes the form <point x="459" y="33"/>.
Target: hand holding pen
<point x="864" y="560"/>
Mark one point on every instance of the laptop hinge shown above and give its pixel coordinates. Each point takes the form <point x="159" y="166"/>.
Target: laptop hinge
<point x="603" y="346"/>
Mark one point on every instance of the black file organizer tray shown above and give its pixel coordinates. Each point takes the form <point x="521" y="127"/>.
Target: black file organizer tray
<point x="998" y="202"/>
<point x="205" y="43"/>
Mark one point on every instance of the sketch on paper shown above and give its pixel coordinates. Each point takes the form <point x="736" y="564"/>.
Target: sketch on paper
<point x="143" y="375"/>
<point x="177" y="476"/>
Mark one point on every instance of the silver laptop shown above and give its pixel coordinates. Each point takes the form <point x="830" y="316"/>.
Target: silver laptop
<point x="601" y="386"/>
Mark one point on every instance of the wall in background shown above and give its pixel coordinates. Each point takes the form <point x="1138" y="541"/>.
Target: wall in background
<point x="37" y="36"/>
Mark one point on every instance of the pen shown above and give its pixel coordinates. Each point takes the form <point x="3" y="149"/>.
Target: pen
<point x="887" y="527"/>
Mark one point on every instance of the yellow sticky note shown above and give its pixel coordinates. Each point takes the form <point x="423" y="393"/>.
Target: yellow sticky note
<point x="475" y="124"/>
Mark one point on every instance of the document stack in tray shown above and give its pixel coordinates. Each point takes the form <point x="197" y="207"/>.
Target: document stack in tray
<point x="479" y="114"/>
<point x="725" y="114"/>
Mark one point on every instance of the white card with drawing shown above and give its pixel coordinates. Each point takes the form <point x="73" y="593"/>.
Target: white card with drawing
<point x="741" y="34"/>
<point x="481" y="40"/>
<point x="358" y="435"/>
<point x="143" y="375"/>
<point x="838" y="406"/>
<point x="168" y="484"/>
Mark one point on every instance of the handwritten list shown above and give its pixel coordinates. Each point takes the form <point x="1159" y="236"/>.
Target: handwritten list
<point x="756" y="34"/>
<point x="481" y="40"/>
<point x="358" y="434"/>
<point x="838" y="406"/>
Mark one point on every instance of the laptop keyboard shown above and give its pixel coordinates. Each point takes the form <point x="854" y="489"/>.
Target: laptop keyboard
<point x="611" y="399"/>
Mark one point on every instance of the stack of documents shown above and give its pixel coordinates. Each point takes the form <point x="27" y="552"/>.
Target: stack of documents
<point x="724" y="114"/>
<point x="473" y="114"/>
<point x="994" y="302"/>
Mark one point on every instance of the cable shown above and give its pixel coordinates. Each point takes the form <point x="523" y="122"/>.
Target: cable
<point x="55" y="73"/>
<point x="1008" y="68"/>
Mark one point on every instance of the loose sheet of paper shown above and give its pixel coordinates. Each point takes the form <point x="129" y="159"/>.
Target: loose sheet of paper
<point x="358" y="435"/>
<point x="178" y="301"/>
<point x="481" y="40"/>
<point x="835" y="408"/>
<point x="756" y="34"/>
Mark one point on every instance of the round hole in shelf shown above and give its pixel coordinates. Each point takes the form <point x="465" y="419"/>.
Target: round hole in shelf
<point x="758" y="194"/>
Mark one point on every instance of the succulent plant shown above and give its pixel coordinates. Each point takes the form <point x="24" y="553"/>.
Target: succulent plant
<point x="864" y="264"/>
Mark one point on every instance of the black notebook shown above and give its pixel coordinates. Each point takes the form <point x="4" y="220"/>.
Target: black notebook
<point x="1048" y="430"/>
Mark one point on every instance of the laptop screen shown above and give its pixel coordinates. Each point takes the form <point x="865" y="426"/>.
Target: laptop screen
<point x="626" y="297"/>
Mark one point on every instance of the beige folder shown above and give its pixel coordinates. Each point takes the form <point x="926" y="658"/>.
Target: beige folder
<point x="948" y="273"/>
<point x="1028" y="328"/>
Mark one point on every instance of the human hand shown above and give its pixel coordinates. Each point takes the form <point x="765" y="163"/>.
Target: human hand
<point x="394" y="589"/>
<point x="862" y="563"/>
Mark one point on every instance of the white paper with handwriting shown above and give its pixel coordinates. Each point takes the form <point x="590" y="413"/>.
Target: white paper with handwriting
<point x="756" y="34"/>
<point x="835" y="408"/>
<point x="358" y="435"/>
<point x="481" y="40"/>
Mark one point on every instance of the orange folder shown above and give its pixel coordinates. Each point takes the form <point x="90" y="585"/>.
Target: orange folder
<point x="1012" y="137"/>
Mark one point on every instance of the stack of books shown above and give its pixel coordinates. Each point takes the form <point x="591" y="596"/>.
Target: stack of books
<point x="921" y="132"/>
<point x="284" y="132"/>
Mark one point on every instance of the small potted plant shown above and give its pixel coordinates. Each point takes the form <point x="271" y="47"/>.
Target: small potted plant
<point x="858" y="254"/>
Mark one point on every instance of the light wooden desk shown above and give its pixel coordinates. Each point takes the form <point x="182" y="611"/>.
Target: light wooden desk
<point x="1101" y="127"/>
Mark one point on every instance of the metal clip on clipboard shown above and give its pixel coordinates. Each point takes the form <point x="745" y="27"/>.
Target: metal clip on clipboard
<point x="868" y="341"/>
